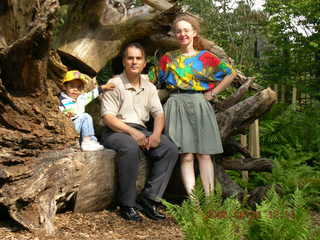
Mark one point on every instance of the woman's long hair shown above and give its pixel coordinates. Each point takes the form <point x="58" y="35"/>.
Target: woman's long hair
<point x="199" y="43"/>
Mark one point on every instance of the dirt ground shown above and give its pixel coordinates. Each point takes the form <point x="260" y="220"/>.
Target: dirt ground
<point x="104" y="225"/>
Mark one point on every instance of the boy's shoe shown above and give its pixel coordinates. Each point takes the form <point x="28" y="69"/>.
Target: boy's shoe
<point x="91" y="145"/>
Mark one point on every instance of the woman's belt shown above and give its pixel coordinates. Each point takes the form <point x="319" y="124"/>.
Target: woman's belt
<point x="178" y="90"/>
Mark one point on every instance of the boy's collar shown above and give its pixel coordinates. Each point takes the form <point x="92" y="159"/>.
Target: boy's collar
<point x="64" y="95"/>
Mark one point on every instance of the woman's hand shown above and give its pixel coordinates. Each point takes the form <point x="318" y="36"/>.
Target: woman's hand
<point x="210" y="95"/>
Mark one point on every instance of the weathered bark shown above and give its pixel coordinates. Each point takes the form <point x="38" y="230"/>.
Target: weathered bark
<point x="34" y="192"/>
<point x="103" y="29"/>
<point x="248" y="164"/>
<point x="235" y="98"/>
<point x="229" y="187"/>
<point x="29" y="118"/>
<point x="238" y="117"/>
<point x="232" y="147"/>
<point x="25" y="27"/>
<point x="259" y="194"/>
<point x="34" y="184"/>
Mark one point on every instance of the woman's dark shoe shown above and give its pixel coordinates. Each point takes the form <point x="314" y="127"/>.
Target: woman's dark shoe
<point x="148" y="208"/>
<point x="129" y="213"/>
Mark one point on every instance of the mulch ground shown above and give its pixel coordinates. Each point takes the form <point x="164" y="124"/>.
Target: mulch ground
<point x="104" y="225"/>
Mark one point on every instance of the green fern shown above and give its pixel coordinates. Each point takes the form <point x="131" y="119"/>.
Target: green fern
<point x="282" y="220"/>
<point x="213" y="218"/>
<point x="209" y="218"/>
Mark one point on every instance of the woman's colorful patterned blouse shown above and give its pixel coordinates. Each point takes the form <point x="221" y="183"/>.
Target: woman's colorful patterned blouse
<point x="200" y="72"/>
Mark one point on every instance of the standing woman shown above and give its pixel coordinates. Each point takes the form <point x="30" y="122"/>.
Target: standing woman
<point x="194" y="76"/>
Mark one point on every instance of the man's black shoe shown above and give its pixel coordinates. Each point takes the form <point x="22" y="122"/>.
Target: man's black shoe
<point x="129" y="213"/>
<point x="149" y="208"/>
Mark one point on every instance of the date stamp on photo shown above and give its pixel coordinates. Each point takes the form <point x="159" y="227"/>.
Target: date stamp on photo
<point x="250" y="214"/>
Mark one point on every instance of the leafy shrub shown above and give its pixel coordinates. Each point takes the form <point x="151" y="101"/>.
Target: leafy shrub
<point x="284" y="126"/>
<point x="292" y="139"/>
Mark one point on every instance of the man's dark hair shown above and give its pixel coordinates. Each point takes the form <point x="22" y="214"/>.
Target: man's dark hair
<point x="136" y="45"/>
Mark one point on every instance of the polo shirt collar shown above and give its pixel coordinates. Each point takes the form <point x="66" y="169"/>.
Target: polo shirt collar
<point x="128" y="85"/>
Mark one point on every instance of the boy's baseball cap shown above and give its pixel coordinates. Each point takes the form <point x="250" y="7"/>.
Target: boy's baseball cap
<point x="73" y="75"/>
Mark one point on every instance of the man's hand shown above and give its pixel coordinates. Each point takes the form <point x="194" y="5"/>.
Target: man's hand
<point x="153" y="141"/>
<point x="139" y="136"/>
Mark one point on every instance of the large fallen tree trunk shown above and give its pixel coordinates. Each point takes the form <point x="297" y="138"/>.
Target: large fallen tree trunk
<point x="34" y="192"/>
<point x="34" y="184"/>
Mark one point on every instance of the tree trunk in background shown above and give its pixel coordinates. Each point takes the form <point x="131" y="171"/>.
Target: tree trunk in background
<point x="33" y="184"/>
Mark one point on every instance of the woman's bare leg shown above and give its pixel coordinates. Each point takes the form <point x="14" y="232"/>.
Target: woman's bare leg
<point x="206" y="173"/>
<point x="187" y="172"/>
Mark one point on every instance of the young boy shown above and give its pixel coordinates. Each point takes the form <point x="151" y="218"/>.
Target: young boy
<point x="72" y="104"/>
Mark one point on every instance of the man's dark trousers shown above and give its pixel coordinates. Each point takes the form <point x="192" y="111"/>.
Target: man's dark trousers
<point x="163" y="157"/>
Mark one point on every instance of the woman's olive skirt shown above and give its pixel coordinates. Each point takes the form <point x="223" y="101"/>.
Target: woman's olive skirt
<point x="191" y="123"/>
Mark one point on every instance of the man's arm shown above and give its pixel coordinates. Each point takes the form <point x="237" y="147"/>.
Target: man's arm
<point x="154" y="138"/>
<point x="118" y="126"/>
<point x="158" y="124"/>
<point x="156" y="111"/>
<point x="110" y="104"/>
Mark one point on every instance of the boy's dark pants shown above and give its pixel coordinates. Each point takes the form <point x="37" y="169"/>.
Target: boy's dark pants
<point x="163" y="157"/>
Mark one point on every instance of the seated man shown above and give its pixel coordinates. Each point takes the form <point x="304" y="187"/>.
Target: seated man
<point x="125" y="112"/>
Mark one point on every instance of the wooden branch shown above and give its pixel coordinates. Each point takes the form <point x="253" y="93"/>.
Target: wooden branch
<point x="238" y="117"/>
<point x="232" y="147"/>
<point x="235" y="98"/>
<point x="229" y="187"/>
<point x="164" y="42"/>
<point x="258" y="194"/>
<point x="160" y="5"/>
<point x="139" y="12"/>
<point x="248" y="164"/>
<point x="241" y="79"/>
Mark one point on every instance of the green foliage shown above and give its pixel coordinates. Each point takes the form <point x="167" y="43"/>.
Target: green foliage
<point x="105" y="74"/>
<point x="214" y="218"/>
<point x="208" y="218"/>
<point x="293" y="31"/>
<point x="282" y="220"/>
<point x="292" y="140"/>
<point x="60" y="20"/>
<point x="290" y="171"/>
<point x="284" y="126"/>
